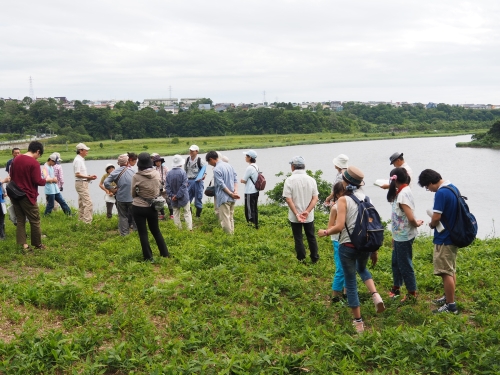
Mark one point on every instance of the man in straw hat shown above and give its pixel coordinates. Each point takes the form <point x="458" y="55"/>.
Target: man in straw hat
<point x="122" y="177"/>
<point x="82" y="179"/>
<point x="301" y="195"/>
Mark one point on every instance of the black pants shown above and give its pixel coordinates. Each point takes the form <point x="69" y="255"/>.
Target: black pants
<point x="149" y="214"/>
<point x="299" y="240"/>
<point x="251" y="212"/>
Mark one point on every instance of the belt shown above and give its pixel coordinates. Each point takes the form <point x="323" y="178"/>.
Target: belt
<point x="82" y="180"/>
<point x="194" y="178"/>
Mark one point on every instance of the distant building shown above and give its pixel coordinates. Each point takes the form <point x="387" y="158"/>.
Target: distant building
<point x="204" y="107"/>
<point x="189" y="101"/>
<point x="431" y="105"/>
<point x="170" y="101"/>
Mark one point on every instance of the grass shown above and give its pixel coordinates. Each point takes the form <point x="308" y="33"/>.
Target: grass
<point x="165" y="147"/>
<point x="224" y="304"/>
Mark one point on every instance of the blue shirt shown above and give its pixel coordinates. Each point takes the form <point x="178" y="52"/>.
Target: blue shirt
<point x="445" y="203"/>
<point x="50" y="187"/>
<point x="177" y="184"/>
<point x="124" y="183"/>
<point x="224" y="177"/>
<point x="251" y="174"/>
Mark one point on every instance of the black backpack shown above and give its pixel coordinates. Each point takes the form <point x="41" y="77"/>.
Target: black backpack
<point x="368" y="233"/>
<point x="464" y="230"/>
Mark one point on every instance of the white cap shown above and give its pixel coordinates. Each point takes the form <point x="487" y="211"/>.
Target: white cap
<point x="194" y="148"/>
<point x="81" y="146"/>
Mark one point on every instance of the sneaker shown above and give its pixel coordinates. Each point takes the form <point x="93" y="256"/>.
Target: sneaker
<point x="171" y="216"/>
<point x="440" y="301"/>
<point x="161" y="217"/>
<point x="377" y="301"/>
<point x="358" y="326"/>
<point x="393" y="293"/>
<point x="447" y="308"/>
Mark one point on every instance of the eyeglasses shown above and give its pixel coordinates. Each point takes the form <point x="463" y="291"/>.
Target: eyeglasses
<point x="427" y="187"/>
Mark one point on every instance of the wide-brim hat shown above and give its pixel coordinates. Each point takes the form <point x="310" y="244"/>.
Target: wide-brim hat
<point x="144" y="161"/>
<point x="395" y="157"/>
<point x="177" y="161"/>
<point x="341" y="161"/>
<point x="107" y="166"/>
<point x="354" y="176"/>
<point x="158" y="158"/>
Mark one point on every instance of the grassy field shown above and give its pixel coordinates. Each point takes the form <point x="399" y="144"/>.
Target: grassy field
<point x="224" y="304"/>
<point x="164" y="146"/>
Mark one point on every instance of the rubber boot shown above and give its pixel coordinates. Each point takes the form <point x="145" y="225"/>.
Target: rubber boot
<point x="198" y="212"/>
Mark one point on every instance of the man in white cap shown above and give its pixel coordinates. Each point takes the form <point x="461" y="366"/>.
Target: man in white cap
<point x="82" y="179"/>
<point x="122" y="178"/>
<point x="177" y="190"/>
<point x="301" y="195"/>
<point x="340" y="163"/>
<point x="192" y="167"/>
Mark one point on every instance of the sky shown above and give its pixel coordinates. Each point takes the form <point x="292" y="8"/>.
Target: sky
<point x="247" y="51"/>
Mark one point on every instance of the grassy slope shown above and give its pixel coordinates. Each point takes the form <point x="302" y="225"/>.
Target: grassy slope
<point x="164" y="146"/>
<point x="223" y="304"/>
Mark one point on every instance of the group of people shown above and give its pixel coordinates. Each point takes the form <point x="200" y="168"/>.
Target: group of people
<point x="301" y="194"/>
<point x="132" y="194"/>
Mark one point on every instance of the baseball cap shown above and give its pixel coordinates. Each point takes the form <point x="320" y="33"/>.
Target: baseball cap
<point x="194" y="148"/>
<point x="81" y="146"/>
<point x="251" y="153"/>
<point x="297" y="160"/>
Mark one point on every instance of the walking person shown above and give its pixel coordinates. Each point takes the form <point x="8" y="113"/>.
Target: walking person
<point x="122" y="177"/>
<point x="146" y="186"/>
<point x="301" y="195"/>
<point x="109" y="196"/>
<point x="404" y="230"/>
<point x="251" y="192"/>
<point x="192" y="167"/>
<point x="226" y="190"/>
<point x="52" y="192"/>
<point x="352" y="259"/>
<point x="340" y="162"/>
<point x="82" y="180"/>
<point x="445" y="252"/>
<point x="25" y="173"/>
<point x="177" y="191"/>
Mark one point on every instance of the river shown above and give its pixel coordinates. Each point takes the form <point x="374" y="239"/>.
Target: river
<point x="472" y="170"/>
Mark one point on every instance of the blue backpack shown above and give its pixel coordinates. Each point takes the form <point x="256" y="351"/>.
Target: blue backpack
<point x="464" y="230"/>
<point x="368" y="232"/>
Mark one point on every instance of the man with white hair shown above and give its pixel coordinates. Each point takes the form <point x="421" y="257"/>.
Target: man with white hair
<point x="82" y="179"/>
<point x="122" y="177"/>
<point x="177" y="190"/>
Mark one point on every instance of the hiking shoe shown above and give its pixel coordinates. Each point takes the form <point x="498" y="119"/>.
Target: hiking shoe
<point x="358" y="326"/>
<point x="377" y="301"/>
<point x="440" y="301"/>
<point x="447" y="308"/>
<point x="338" y="299"/>
<point x="393" y="293"/>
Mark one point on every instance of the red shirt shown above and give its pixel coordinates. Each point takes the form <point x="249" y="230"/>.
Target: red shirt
<point x="25" y="172"/>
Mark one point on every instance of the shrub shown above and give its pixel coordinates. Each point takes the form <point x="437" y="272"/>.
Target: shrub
<point x="175" y="141"/>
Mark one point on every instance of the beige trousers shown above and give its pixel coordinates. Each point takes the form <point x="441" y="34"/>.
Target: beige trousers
<point x="187" y="216"/>
<point x="85" y="208"/>
<point x="226" y="217"/>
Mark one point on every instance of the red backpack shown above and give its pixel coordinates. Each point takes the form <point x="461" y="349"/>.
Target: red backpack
<point x="260" y="183"/>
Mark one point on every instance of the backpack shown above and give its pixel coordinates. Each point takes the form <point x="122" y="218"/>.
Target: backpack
<point x="260" y="183"/>
<point x="368" y="233"/>
<point x="198" y="161"/>
<point x="464" y="230"/>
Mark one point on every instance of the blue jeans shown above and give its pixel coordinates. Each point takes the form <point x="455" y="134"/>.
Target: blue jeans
<point x="338" y="278"/>
<point x="402" y="265"/>
<point x="353" y="260"/>
<point x="59" y="199"/>
<point x="195" y="189"/>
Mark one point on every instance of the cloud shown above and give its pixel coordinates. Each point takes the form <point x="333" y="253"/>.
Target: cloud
<point x="234" y="50"/>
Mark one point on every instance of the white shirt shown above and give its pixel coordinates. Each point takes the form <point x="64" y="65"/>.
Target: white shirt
<point x="301" y="188"/>
<point x="251" y="172"/>
<point x="79" y="167"/>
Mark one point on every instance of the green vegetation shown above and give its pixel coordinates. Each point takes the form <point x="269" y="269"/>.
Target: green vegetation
<point x="125" y="121"/>
<point x="489" y="139"/>
<point x="224" y="304"/>
<point x="164" y="146"/>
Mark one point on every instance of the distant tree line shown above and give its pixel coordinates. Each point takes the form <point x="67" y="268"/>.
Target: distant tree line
<point x="125" y="121"/>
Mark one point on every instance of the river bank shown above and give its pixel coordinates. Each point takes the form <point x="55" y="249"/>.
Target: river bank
<point x="229" y="304"/>
<point x="171" y="146"/>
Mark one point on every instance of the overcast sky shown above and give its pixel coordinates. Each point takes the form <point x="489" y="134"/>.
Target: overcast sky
<point x="232" y="51"/>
